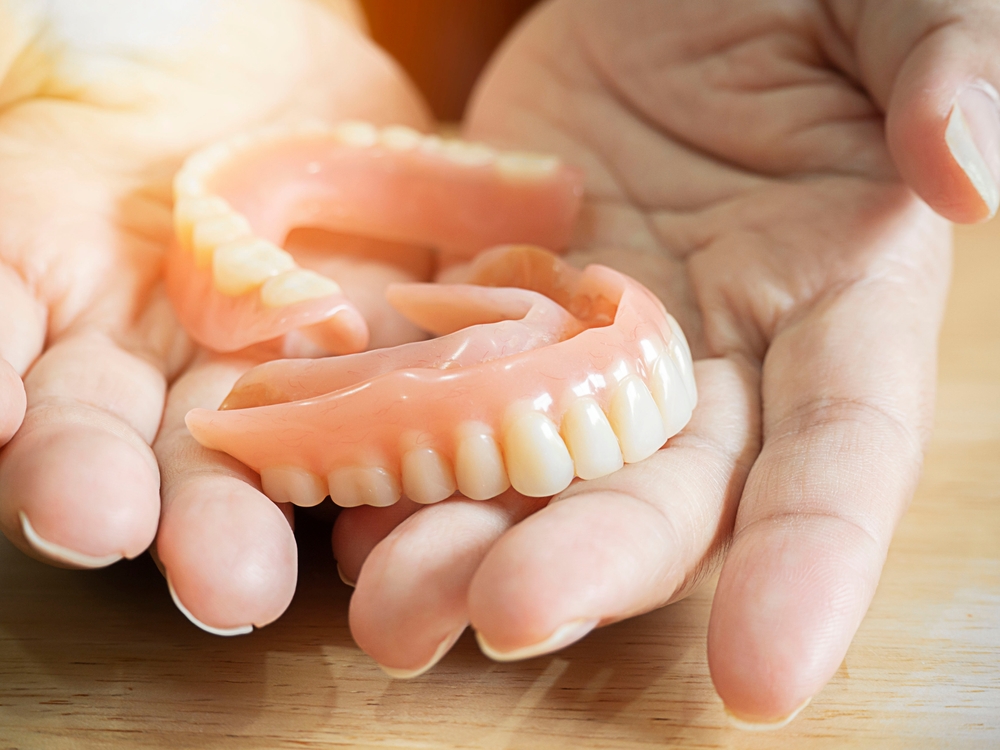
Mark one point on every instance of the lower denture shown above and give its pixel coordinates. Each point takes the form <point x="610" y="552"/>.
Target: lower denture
<point x="541" y="373"/>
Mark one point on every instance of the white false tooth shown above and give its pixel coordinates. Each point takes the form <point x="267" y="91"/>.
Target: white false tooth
<point x="291" y="484"/>
<point x="243" y="265"/>
<point x="636" y="420"/>
<point x="363" y="485"/>
<point x="296" y="285"/>
<point x="400" y="138"/>
<point x="468" y="154"/>
<point x="670" y="395"/>
<point x="427" y="476"/>
<point x="680" y="351"/>
<point x="188" y="184"/>
<point x="590" y="439"/>
<point x="516" y="165"/>
<point x="538" y="463"/>
<point x="478" y="462"/>
<point x="356" y="133"/>
<point x="188" y="210"/>
<point x="209" y="159"/>
<point x="207" y="234"/>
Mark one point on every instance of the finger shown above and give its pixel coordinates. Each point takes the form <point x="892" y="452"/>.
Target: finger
<point x="228" y="552"/>
<point x="12" y="402"/>
<point x="79" y="483"/>
<point x="847" y="406"/>
<point x="357" y="530"/>
<point x="637" y="539"/>
<point x="410" y="607"/>
<point x="22" y="321"/>
<point x="935" y="68"/>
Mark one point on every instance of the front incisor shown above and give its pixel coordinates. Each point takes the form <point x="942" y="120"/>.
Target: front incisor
<point x="590" y="439"/>
<point x="538" y="463"/>
<point x="636" y="420"/>
<point x="427" y="476"/>
<point x="479" y="468"/>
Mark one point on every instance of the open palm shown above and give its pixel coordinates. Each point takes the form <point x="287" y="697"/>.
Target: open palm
<point x="99" y="102"/>
<point x="737" y="163"/>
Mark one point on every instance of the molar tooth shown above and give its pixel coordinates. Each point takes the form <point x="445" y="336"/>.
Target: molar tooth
<point x="427" y="477"/>
<point x="291" y="484"/>
<point x="245" y="264"/>
<point x="590" y="439"/>
<point x="208" y="233"/>
<point x="363" y="485"/>
<point x="517" y="165"/>
<point x="296" y="285"/>
<point x="537" y="460"/>
<point x="356" y="133"/>
<point x="671" y="396"/>
<point x="478" y="462"/>
<point x="636" y="420"/>
<point x="400" y="138"/>
<point x="190" y="209"/>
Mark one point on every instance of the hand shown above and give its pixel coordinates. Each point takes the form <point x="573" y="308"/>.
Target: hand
<point x="99" y="102"/>
<point x="744" y="160"/>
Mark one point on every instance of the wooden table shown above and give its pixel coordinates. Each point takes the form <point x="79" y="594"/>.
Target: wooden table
<point x="103" y="659"/>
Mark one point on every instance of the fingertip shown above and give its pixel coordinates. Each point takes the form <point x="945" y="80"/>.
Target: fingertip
<point x="788" y="603"/>
<point x="229" y="553"/>
<point x="13" y="401"/>
<point x="78" y="495"/>
<point x="943" y="130"/>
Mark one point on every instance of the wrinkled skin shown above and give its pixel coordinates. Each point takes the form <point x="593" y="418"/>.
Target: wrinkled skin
<point x="738" y="163"/>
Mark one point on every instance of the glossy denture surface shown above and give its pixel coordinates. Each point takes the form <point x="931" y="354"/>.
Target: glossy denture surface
<point x="592" y="374"/>
<point x="235" y="202"/>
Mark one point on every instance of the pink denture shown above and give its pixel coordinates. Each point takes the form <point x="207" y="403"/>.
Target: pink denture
<point x="541" y="373"/>
<point x="235" y="203"/>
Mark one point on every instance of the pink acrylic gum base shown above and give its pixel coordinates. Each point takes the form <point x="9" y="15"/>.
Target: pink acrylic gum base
<point x="372" y="422"/>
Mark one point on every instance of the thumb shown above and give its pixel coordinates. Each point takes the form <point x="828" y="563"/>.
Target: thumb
<point x="935" y="68"/>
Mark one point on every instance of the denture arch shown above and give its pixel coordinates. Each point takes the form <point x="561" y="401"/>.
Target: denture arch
<point x="541" y="373"/>
<point x="232" y="284"/>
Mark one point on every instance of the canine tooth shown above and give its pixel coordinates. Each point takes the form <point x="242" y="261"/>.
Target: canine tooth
<point x="290" y="484"/>
<point x="356" y="133"/>
<point x="538" y="463"/>
<point x="670" y="395"/>
<point x="478" y="462"/>
<point x="363" y="485"/>
<point x="190" y="209"/>
<point x="427" y="477"/>
<point x="400" y="138"/>
<point x="208" y="159"/>
<point x="296" y="285"/>
<point x="207" y="234"/>
<point x="680" y="351"/>
<point x="245" y="264"/>
<point x="636" y="420"/>
<point x="519" y="165"/>
<point x="590" y="439"/>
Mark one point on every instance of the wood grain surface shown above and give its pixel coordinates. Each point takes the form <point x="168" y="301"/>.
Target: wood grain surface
<point x="104" y="660"/>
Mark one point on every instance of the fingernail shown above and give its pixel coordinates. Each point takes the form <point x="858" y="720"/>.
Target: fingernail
<point x="562" y="637"/>
<point x="443" y="648"/>
<point x="241" y="630"/>
<point x="63" y="554"/>
<point x="345" y="579"/>
<point x="752" y="725"/>
<point x="973" y="137"/>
